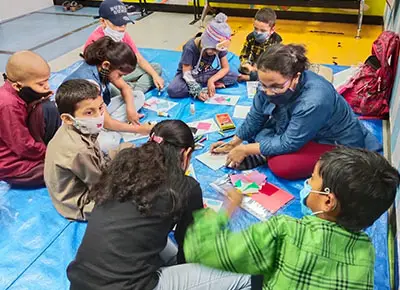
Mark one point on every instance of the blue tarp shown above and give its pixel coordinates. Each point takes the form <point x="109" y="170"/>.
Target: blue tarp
<point x="37" y="244"/>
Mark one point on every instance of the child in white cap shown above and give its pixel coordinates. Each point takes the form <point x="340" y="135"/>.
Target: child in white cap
<point x="196" y="69"/>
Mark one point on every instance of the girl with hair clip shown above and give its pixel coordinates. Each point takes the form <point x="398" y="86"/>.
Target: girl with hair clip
<point x="296" y="116"/>
<point x="141" y="196"/>
<point x="106" y="62"/>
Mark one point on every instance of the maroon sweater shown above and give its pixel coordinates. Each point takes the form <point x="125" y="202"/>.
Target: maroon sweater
<point x="19" y="152"/>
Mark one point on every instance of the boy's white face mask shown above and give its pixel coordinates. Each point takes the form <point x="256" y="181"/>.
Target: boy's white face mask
<point x="115" y="35"/>
<point x="88" y="125"/>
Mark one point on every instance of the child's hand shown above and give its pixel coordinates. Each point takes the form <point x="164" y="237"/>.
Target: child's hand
<point x="158" y="82"/>
<point x="203" y="96"/>
<point x="144" y="128"/>
<point x="246" y="68"/>
<point x="243" y="78"/>
<point x="235" y="200"/>
<point x="211" y="88"/>
<point x="133" y="116"/>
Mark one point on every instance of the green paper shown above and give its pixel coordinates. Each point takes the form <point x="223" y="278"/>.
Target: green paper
<point x="238" y="184"/>
<point x="251" y="186"/>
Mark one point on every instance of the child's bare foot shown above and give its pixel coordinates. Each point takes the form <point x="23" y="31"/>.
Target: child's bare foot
<point x="243" y="78"/>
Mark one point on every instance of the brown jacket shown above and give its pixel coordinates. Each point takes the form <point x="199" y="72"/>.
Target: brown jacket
<point x="73" y="165"/>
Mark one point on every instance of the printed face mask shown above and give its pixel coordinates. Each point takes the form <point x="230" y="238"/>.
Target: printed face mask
<point x="117" y="36"/>
<point x="261" y="36"/>
<point x="304" y="193"/>
<point x="88" y="125"/>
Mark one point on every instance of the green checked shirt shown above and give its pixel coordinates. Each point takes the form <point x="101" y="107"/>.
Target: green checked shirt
<point x="301" y="254"/>
<point x="252" y="49"/>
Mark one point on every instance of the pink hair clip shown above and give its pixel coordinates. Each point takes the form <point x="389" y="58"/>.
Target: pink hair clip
<point x="156" y="139"/>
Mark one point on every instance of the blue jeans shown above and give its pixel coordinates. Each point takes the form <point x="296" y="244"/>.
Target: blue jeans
<point x="198" y="277"/>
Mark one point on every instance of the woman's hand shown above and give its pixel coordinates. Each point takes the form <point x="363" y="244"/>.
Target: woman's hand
<point x="221" y="147"/>
<point x="236" y="156"/>
<point x="158" y="82"/>
<point x="133" y="116"/>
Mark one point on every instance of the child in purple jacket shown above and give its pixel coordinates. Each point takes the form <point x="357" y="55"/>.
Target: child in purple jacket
<point x="196" y="69"/>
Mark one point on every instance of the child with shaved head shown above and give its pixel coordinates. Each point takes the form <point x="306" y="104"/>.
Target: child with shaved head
<point x="29" y="119"/>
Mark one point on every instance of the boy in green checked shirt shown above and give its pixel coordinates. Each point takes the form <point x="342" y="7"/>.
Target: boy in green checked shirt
<point x="326" y="249"/>
<point x="257" y="42"/>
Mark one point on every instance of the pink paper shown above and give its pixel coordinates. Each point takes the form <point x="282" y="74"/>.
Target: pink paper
<point x="273" y="202"/>
<point x="254" y="176"/>
<point x="237" y="177"/>
<point x="203" y="126"/>
<point x="219" y="99"/>
<point x="257" y="177"/>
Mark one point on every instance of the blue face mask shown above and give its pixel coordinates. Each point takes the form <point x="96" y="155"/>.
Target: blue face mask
<point x="261" y="36"/>
<point x="281" y="99"/>
<point x="304" y="193"/>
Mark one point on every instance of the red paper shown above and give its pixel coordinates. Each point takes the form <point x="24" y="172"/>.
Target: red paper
<point x="274" y="201"/>
<point x="268" y="189"/>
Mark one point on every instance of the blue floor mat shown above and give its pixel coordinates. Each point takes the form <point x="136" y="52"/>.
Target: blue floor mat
<point x="37" y="244"/>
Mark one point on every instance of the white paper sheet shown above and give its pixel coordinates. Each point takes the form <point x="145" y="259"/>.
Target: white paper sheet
<point x="241" y="112"/>
<point x="190" y="171"/>
<point x="214" y="204"/>
<point x="225" y="100"/>
<point x="128" y="137"/>
<point x="199" y="125"/>
<point x="252" y="89"/>
<point x="158" y="105"/>
<point x="214" y="161"/>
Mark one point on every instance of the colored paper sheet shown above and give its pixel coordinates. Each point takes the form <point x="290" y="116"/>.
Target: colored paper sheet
<point x="204" y="126"/>
<point x="249" y="177"/>
<point x="274" y="201"/>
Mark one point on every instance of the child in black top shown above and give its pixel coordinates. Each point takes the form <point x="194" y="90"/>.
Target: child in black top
<point x="141" y="196"/>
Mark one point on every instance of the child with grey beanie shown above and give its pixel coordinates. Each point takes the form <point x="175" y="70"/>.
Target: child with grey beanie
<point x="196" y="70"/>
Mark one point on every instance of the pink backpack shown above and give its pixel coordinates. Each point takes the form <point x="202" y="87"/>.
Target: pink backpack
<point x="368" y="92"/>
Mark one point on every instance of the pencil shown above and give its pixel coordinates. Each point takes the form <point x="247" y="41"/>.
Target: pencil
<point x="227" y="137"/>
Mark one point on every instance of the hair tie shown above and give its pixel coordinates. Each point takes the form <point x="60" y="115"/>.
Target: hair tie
<point x="293" y="56"/>
<point x="156" y="139"/>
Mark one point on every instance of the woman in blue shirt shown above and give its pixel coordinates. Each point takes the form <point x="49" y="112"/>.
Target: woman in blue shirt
<point x="106" y="62"/>
<point x="296" y="116"/>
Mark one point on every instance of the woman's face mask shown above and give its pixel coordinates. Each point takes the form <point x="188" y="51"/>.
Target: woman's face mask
<point x="281" y="99"/>
<point x="278" y="98"/>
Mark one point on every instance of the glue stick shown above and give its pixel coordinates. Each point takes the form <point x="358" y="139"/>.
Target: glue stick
<point x="192" y="108"/>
